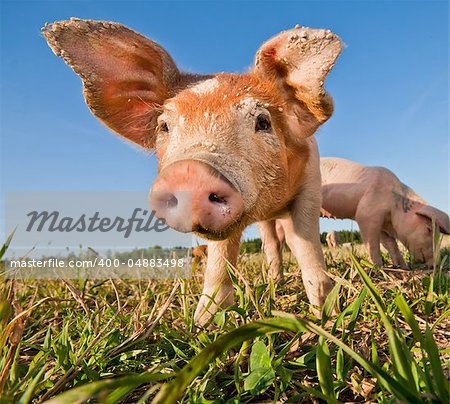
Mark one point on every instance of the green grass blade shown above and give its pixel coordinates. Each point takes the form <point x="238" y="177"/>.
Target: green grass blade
<point x="6" y="244"/>
<point x="373" y="292"/>
<point x="445" y="314"/>
<point x="324" y="373"/>
<point x="316" y="393"/>
<point x="441" y="383"/>
<point x="401" y="356"/>
<point x="330" y="303"/>
<point x="340" y="365"/>
<point x="90" y="390"/>
<point x="353" y="310"/>
<point x="27" y="396"/>
<point x="374" y="352"/>
<point x="417" y="334"/>
<point x="409" y="317"/>
<point x="357" y="304"/>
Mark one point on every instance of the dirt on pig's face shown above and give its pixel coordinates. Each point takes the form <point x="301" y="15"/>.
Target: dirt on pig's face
<point x="236" y="124"/>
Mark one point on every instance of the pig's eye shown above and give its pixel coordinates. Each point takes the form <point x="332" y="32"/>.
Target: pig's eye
<point x="163" y="127"/>
<point x="262" y="123"/>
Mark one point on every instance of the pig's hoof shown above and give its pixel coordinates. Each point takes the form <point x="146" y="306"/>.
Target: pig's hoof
<point x="317" y="312"/>
<point x="277" y="278"/>
<point x="207" y="308"/>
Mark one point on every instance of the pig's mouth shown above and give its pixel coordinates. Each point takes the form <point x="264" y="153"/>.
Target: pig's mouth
<point x="217" y="235"/>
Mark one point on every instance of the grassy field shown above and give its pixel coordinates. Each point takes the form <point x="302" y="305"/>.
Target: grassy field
<point x="135" y="341"/>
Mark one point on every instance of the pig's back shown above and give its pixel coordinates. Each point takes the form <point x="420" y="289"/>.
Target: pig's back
<point x="345" y="183"/>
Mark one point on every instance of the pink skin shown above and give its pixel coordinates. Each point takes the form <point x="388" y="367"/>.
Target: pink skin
<point x="385" y="209"/>
<point x="232" y="149"/>
<point x="191" y="196"/>
<point x="333" y="239"/>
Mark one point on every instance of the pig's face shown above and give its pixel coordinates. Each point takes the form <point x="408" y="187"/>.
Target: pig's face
<point x="420" y="241"/>
<point x="231" y="148"/>
<point x="230" y="133"/>
<point x="420" y="231"/>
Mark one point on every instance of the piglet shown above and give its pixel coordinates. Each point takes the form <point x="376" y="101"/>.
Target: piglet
<point x="232" y="149"/>
<point x="385" y="209"/>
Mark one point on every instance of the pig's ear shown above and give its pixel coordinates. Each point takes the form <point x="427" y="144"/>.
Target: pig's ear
<point x="300" y="60"/>
<point x="126" y="77"/>
<point x="442" y="219"/>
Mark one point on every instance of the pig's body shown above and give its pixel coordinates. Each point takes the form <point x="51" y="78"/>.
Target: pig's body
<point x="385" y="209"/>
<point x="232" y="149"/>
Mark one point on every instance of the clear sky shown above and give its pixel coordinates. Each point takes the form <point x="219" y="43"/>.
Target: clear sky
<point x="390" y="86"/>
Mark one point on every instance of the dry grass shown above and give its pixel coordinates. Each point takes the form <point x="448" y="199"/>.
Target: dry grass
<point x="57" y="335"/>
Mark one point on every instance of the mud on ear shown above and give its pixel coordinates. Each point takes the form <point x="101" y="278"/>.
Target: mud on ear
<point x="126" y="77"/>
<point x="299" y="60"/>
<point x="442" y="219"/>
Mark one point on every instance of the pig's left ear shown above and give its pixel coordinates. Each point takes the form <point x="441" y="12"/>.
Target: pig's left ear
<point x="299" y="60"/>
<point x="442" y="219"/>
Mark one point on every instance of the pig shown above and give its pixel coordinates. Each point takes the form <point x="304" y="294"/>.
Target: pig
<point x="385" y="209"/>
<point x="333" y="239"/>
<point x="199" y="254"/>
<point x="200" y="251"/>
<point x="232" y="149"/>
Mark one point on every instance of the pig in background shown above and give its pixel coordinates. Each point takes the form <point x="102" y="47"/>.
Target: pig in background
<point x="333" y="239"/>
<point x="385" y="209"/>
<point x="240" y="145"/>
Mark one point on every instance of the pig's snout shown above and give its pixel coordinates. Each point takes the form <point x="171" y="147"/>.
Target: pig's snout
<point x="193" y="196"/>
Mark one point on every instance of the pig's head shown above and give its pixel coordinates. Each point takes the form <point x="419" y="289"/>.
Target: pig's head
<point x="231" y="148"/>
<point x="419" y="232"/>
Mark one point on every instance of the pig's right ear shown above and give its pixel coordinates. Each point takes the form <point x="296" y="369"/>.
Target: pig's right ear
<point x="442" y="219"/>
<point x="299" y="60"/>
<point x="126" y="77"/>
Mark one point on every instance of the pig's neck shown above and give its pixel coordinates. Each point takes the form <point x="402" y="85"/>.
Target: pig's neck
<point x="406" y="204"/>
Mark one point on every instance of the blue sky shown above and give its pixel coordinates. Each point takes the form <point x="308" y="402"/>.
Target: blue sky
<point x="390" y="86"/>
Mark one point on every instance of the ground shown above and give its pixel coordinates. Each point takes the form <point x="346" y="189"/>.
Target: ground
<point x="124" y="340"/>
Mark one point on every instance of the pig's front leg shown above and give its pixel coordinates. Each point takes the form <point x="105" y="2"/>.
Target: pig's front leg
<point x="217" y="287"/>
<point x="370" y="226"/>
<point x="392" y="247"/>
<point x="303" y="238"/>
<point x="272" y="247"/>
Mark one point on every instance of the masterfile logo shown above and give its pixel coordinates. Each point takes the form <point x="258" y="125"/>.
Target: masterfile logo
<point x="91" y="234"/>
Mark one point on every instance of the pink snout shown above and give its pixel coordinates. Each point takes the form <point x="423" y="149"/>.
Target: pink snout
<point x="192" y="196"/>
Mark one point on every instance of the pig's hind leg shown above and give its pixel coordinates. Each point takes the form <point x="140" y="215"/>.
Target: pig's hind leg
<point x="272" y="247"/>
<point x="392" y="247"/>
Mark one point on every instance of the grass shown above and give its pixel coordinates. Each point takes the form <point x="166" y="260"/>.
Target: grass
<point x="383" y="338"/>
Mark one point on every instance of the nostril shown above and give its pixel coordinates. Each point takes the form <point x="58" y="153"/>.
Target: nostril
<point x="214" y="198"/>
<point x="172" y="202"/>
